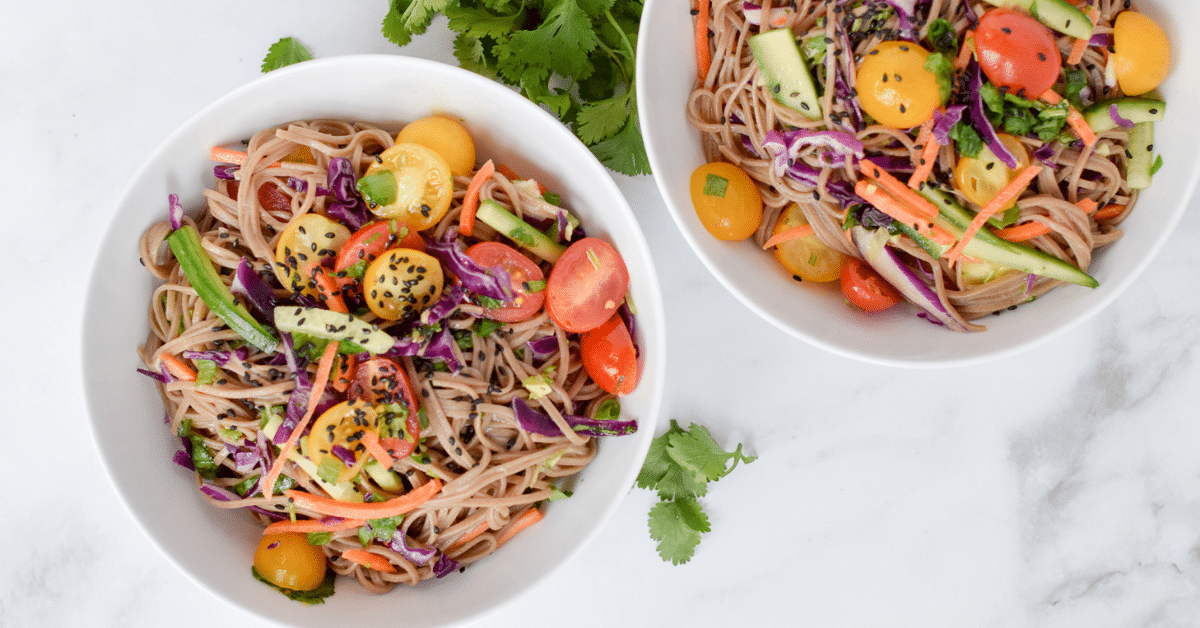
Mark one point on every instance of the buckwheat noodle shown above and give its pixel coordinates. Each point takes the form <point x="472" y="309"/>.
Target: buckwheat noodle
<point x="493" y="471"/>
<point x="734" y="113"/>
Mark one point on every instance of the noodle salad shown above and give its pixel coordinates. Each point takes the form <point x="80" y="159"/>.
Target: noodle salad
<point x="388" y="355"/>
<point x="963" y="156"/>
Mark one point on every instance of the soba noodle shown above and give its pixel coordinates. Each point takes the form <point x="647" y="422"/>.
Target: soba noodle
<point x="493" y="470"/>
<point x="734" y="114"/>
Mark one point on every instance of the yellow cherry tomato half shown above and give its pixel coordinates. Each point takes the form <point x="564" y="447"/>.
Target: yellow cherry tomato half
<point x="806" y="257"/>
<point x="982" y="177"/>
<point x="304" y="243"/>
<point x="726" y="200"/>
<point x="446" y="137"/>
<point x="423" y="189"/>
<point x="1141" y="53"/>
<point x="288" y="561"/>
<point x="895" y="88"/>
<point x="402" y="282"/>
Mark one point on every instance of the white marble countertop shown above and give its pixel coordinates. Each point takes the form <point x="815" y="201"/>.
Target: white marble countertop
<point x="881" y="497"/>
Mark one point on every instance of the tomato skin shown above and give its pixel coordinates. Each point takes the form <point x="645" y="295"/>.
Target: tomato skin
<point x="424" y="185"/>
<point x="446" y="137"/>
<point x="303" y="246"/>
<point x="582" y="294"/>
<point x="806" y="257"/>
<point x="865" y="289"/>
<point x="288" y="561"/>
<point x="894" y="87"/>
<point x="374" y="238"/>
<point x="1141" y="53"/>
<point x="521" y="270"/>
<point x="402" y="282"/>
<point x="610" y="357"/>
<point x="381" y="380"/>
<point x="729" y="210"/>
<point x="982" y="177"/>
<point x="1017" y="52"/>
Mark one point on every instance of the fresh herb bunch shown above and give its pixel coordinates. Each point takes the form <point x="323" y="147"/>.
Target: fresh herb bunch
<point x="679" y="466"/>
<point x="574" y="57"/>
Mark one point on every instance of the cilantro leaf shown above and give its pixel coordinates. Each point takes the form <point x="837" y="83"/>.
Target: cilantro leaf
<point x="286" y="51"/>
<point x="308" y="598"/>
<point x="603" y="119"/>
<point x="476" y="22"/>
<point x="406" y="18"/>
<point x="677" y="525"/>
<point x="624" y="152"/>
<point x="657" y="462"/>
<point x="562" y="42"/>
<point x="697" y="451"/>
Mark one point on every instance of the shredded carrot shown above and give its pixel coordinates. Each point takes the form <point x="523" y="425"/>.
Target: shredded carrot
<point x="964" y="52"/>
<point x="926" y="132"/>
<point x="371" y="441"/>
<point x="305" y="526"/>
<point x="788" y="234"/>
<point x="1022" y="232"/>
<point x="178" y="368"/>
<point x="330" y="292"/>
<point x="324" y="367"/>
<point x="366" y="510"/>
<point x="466" y="219"/>
<point x="898" y="188"/>
<point x="231" y="156"/>
<point x="703" y="56"/>
<point x="368" y="559"/>
<point x="1081" y="43"/>
<point x="1087" y="205"/>
<point x="1074" y="118"/>
<point x="925" y="165"/>
<point x="1110" y="211"/>
<point x="1003" y="199"/>
<point x="888" y="204"/>
<point x="340" y="380"/>
<point x="471" y="535"/>
<point x="530" y="517"/>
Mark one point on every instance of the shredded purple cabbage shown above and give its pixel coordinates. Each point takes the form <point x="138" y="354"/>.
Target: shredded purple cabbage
<point x="298" y="184"/>
<point x="786" y="146"/>
<point x="225" y="171"/>
<point x="184" y="459"/>
<point x="441" y="346"/>
<point x="451" y="298"/>
<point x="415" y="554"/>
<point x="537" y="422"/>
<point x="445" y="566"/>
<point x="343" y="454"/>
<point x="348" y="205"/>
<point x="543" y="347"/>
<point x="880" y="257"/>
<point x="1116" y="117"/>
<point x="631" y="325"/>
<point x="158" y="377"/>
<point x="980" y="120"/>
<point x="258" y="294"/>
<point x="1045" y="153"/>
<point x="1101" y="40"/>
<point x="175" y="211"/>
<point x="220" y="357"/>
<point x="944" y="121"/>
<point x="493" y="283"/>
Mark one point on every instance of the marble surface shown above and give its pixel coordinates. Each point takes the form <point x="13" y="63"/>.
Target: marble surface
<point x="1056" y="488"/>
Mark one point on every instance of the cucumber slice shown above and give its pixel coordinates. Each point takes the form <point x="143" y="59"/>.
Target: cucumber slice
<point x="1059" y="15"/>
<point x="988" y="247"/>
<point x="497" y="217"/>
<point x="786" y="71"/>
<point x="334" y="326"/>
<point x="200" y="272"/>
<point x="1141" y="155"/>
<point x="1134" y="109"/>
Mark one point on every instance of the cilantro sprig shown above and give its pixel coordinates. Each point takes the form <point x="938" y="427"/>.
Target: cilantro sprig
<point x="284" y="52"/>
<point x="679" y="466"/>
<point x="573" y="57"/>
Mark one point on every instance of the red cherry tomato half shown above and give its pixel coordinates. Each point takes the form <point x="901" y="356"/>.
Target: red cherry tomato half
<point x="610" y="357"/>
<point x="373" y="239"/>
<point x="379" y="380"/>
<point x="587" y="285"/>
<point x="1017" y="52"/>
<point x="865" y="289"/>
<point x="270" y="196"/>
<point x="522" y="271"/>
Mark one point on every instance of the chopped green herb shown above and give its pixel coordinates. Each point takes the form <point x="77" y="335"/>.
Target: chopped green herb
<point x="715" y="185"/>
<point x="206" y="372"/>
<point x="319" y="538"/>
<point x="378" y="188"/>
<point x="315" y="596"/>
<point x="329" y="469"/>
<point x="609" y="410"/>
<point x="284" y="52"/>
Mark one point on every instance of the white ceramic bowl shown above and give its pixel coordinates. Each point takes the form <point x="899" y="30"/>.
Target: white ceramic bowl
<point x="666" y="68"/>
<point x="215" y="547"/>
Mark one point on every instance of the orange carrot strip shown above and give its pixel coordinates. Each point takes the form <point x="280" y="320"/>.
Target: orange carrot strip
<point x="964" y="51"/>
<point x="368" y="559"/>
<point x="788" y="234"/>
<point x="340" y="379"/>
<point x="330" y="292"/>
<point x="306" y="526"/>
<point x="703" y="56"/>
<point x="1087" y="205"/>
<point x="1003" y="199"/>
<point x="1074" y="118"/>
<point x="1022" y="232"/>
<point x="1081" y="44"/>
<point x="323" y="369"/>
<point x="1110" y="211"/>
<point x="466" y="219"/>
<point x="905" y="194"/>
<point x="371" y="441"/>
<point x="231" y="156"/>
<point x="888" y="204"/>
<point x="926" y="132"/>
<point x="366" y="510"/>
<point x="529" y="518"/>
<point x="925" y="165"/>
<point x="178" y="368"/>
<point x="471" y="535"/>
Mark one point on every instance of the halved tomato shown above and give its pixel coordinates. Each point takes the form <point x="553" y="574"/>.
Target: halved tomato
<point x="374" y="238"/>
<point x="587" y="285"/>
<point x="528" y="281"/>
<point x="610" y="357"/>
